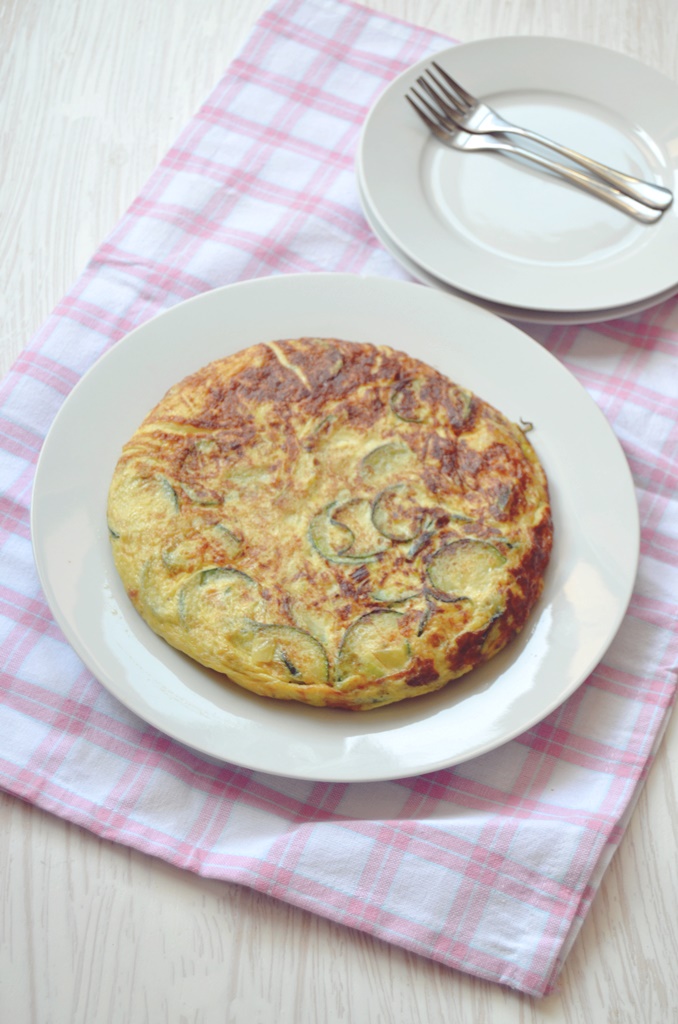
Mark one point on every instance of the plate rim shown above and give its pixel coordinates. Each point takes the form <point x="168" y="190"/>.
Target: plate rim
<point x="338" y="286"/>
<point x="484" y="293"/>
<point x="521" y="314"/>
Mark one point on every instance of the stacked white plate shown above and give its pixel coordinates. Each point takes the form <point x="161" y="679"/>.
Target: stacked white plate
<point x="513" y="238"/>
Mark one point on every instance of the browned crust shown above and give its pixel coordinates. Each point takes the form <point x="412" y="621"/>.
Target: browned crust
<point x="283" y="400"/>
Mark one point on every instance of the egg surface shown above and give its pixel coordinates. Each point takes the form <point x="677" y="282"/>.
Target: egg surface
<point x="330" y="522"/>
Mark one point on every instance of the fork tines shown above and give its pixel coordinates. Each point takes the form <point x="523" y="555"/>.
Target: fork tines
<point x="464" y="98"/>
<point x="447" y="104"/>
<point x="434" y="125"/>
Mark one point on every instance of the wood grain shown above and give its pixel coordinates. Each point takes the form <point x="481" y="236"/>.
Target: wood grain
<point x="92" y="94"/>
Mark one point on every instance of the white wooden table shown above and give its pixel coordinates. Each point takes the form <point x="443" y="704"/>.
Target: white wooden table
<point x="92" y="93"/>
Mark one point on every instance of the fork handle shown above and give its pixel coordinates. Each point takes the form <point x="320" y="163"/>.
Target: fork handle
<point x="656" y="196"/>
<point x="636" y="209"/>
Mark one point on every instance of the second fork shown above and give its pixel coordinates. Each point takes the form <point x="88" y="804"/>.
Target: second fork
<point x="473" y="115"/>
<point x="447" y="133"/>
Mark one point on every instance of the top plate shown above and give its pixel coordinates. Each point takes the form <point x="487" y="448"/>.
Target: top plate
<point x="507" y="232"/>
<point x="587" y="588"/>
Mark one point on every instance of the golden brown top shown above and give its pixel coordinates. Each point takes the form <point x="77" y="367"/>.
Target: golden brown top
<point x="330" y="522"/>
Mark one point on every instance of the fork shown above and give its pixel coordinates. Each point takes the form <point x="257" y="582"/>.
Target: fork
<point x="472" y="115"/>
<point x="456" y="138"/>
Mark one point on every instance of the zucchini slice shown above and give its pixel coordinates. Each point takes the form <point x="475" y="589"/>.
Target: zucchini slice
<point x="426" y="534"/>
<point x="283" y="652"/>
<point x="334" y="361"/>
<point x="229" y="540"/>
<point x="157" y="595"/>
<point x="396" y="514"/>
<point x="394" y="596"/>
<point x="409" y="404"/>
<point x="188" y="552"/>
<point x="320" y="432"/>
<point x="200" y="496"/>
<point x="169" y="492"/>
<point x="373" y="646"/>
<point x="458" y="405"/>
<point x="503" y="497"/>
<point x="350" y="539"/>
<point x="140" y="502"/>
<point x="406" y="401"/>
<point x="330" y="539"/>
<point x="425" y="617"/>
<point x="231" y="592"/>
<point x="356" y="516"/>
<point x="182" y="556"/>
<point x="463" y="570"/>
<point x="388" y="458"/>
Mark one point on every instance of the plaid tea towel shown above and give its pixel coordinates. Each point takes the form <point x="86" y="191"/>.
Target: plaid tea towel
<point x="489" y="867"/>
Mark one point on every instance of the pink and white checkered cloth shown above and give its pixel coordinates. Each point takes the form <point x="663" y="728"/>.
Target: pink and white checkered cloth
<point x="489" y="867"/>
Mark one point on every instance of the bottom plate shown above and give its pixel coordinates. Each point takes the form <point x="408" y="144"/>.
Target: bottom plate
<point x="588" y="583"/>
<point x="516" y="313"/>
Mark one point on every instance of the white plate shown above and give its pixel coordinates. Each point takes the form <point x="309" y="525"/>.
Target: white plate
<point x="588" y="585"/>
<point x="516" y="313"/>
<point x="506" y="232"/>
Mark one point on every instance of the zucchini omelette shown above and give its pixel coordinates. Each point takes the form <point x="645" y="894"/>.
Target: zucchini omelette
<point x="330" y="522"/>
